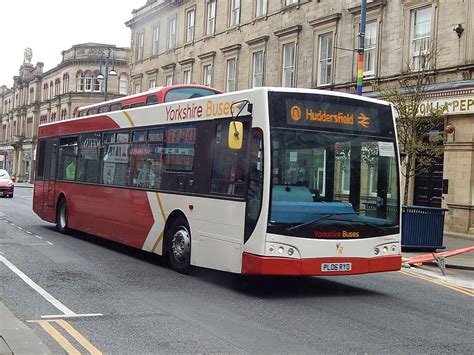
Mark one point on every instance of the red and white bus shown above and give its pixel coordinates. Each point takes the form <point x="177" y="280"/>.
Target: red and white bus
<point x="151" y="97"/>
<point x="270" y="181"/>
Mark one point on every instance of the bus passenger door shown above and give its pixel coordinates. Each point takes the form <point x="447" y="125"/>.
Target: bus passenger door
<point x="50" y="178"/>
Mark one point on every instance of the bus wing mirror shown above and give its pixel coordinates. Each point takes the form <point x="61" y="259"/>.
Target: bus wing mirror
<point x="236" y="135"/>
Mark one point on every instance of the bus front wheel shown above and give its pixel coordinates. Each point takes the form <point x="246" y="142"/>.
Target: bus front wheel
<point x="179" y="245"/>
<point x="62" y="216"/>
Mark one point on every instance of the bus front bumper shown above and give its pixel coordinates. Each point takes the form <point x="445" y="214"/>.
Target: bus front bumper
<point x="264" y="265"/>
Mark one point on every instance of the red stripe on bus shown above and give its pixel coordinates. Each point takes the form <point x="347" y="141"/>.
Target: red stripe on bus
<point x="265" y="265"/>
<point x="73" y="126"/>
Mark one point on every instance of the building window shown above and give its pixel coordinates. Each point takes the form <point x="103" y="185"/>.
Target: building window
<point x="234" y="16"/>
<point x="169" y="79"/>
<point x="211" y="17"/>
<point x="96" y="85"/>
<point x="29" y="127"/>
<point x="140" y="45"/>
<point x="65" y="83"/>
<point x="190" y="23"/>
<point x="57" y="87"/>
<point x="289" y="53"/>
<point x="156" y="40"/>
<point x="123" y="84"/>
<point x="231" y="75"/>
<point x="257" y="69"/>
<point x="80" y="82"/>
<point x="51" y="88"/>
<point x="207" y="75"/>
<point x="137" y="88"/>
<point x="32" y="95"/>
<point x="290" y="2"/>
<point x="420" y="39"/>
<point x="152" y="84"/>
<point x="370" y="48"/>
<point x="88" y="82"/>
<point x="63" y="114"/>
<point x="171" y="39"/>
<point x="187" y="76"/>
<point x="261" y="8"/>
<point x="324" y="59"/>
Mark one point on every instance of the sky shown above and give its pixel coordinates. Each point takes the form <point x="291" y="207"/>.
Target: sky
<point x="50" y="26"/>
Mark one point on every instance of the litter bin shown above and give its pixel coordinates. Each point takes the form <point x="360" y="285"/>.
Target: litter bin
<point x="422" y="228"/>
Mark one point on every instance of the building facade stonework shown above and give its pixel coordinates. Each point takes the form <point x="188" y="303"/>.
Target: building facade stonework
<point x="39" y="97"/>
<point x="237" y="44"/>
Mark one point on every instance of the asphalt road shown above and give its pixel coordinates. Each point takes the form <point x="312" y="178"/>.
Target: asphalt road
<point x="146" y="307"/>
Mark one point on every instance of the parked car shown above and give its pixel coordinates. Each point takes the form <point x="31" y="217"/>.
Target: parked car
<point x="6" y="184"/>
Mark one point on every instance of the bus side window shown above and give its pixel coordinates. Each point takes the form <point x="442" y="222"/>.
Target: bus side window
<point x="229" y="167"/>
<point x="124" y="107"/>
<point x="115" y="107"/>
<point x="89" y="158"/>
<point x="137" y="104"/>
<point x="152" y="99"/>
<point x="67" y="161"/>
<point x="103" y="109"/>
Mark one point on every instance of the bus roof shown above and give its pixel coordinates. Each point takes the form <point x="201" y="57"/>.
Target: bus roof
<point x="141" y="94"/>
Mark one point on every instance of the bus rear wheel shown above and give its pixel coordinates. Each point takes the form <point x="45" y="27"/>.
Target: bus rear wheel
<point x="62" y="217"/>
<point x="179" y="245"/>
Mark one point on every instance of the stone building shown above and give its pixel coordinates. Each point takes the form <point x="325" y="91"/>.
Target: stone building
<point x="39" y="97"/>
<point x="237" y="44"/>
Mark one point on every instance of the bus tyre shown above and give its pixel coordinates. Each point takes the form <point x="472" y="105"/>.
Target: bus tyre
<point x="62" y="216"/>
<point x="179" y="245"/>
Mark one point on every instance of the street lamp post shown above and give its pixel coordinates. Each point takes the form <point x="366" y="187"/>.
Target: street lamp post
<point x="107" y="60"/>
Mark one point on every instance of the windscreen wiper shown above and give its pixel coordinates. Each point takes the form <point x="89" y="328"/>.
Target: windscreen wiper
<point x="324" y="216"/>
<point x="382" y="228"/>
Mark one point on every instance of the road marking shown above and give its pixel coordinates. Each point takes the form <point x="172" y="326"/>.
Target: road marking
<point x="67" y="312"/>
<point x="37" y="236"/>
<point x="36" y="287"/>
<point x="79" y="337"/>
<point x="460" y="289"/>
<point x="60" y="339"/>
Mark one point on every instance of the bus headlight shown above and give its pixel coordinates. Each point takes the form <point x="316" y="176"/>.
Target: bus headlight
<point x="282" y="250"/>
<point x="390" y="249"/>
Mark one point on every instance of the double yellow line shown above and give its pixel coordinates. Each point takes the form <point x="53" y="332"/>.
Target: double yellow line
<point x="461" y="289"/>
<point x="47" y="325"/>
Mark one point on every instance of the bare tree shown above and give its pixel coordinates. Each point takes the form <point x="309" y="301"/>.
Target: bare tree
<point x="408" y="94"/>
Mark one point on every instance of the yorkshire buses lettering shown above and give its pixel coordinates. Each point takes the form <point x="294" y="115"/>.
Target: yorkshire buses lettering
<point x="189" y="111"/>
<point x="192" y="111"/>
<point x="335" y="234"/>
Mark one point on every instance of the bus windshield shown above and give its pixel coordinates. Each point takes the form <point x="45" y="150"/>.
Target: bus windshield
<point x="333" y="183"/>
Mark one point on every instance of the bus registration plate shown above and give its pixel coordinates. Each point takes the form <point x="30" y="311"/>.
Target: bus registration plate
<point x="331" y="267"/>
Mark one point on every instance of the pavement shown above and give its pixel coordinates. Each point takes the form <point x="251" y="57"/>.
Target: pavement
<point x="16" y="337"/>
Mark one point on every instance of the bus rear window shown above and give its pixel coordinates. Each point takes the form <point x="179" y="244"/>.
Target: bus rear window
<point x="187" y="93"/>
<point x="152" y="99"/>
